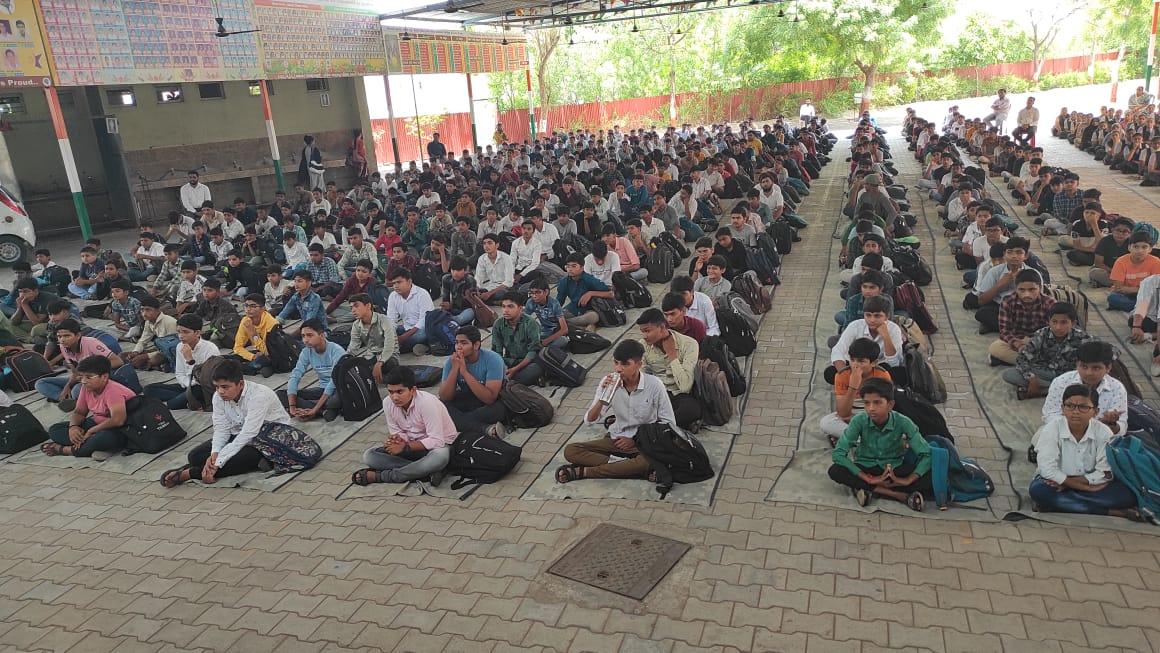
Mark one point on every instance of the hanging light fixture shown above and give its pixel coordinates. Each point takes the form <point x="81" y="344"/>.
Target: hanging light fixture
<point x="781" y="13"/>
<point x="634" y="27"/>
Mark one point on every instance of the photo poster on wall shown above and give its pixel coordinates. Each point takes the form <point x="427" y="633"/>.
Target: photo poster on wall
<point x="23" y="61"/>
<point x="332" y="38"/>
<point x="423" y="52"/>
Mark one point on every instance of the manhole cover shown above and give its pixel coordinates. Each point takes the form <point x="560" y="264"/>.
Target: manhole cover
<point x="620" y="560"/>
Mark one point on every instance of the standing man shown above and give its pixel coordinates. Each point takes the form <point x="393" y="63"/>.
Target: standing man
<point x="194" y="194"/>
<point x="999" y="110"/>
<point x="436" y="150"/>
<point x="310" y="167"/>
<point x="1028" y="119"/>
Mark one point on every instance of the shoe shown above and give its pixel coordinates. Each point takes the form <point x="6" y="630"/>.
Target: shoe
<point x="68" y="405"/>
<point x="1032" y="456"/>
<point x="497" y="431"/>
<point x="266" y="371"/>
<point x="863" y="497"/>
<point x="436" y="478"/>
<point x="102" y="456"/>
<point x="330" y="414"/>
<point x="831" y="341"/>
<point x="420" y="350"/>
<point x="995" y="362"/>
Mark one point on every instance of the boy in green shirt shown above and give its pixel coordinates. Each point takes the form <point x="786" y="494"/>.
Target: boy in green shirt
<point x="891" y="458"/>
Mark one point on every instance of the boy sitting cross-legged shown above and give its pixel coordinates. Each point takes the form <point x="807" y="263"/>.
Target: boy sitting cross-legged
<point x="1049" y="352"/>
<point x="1021" y="314"/>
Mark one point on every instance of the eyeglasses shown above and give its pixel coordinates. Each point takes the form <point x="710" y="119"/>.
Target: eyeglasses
<point x="1079" y="408"/>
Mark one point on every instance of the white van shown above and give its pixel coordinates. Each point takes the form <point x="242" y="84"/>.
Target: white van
<point x="17" y="237"/>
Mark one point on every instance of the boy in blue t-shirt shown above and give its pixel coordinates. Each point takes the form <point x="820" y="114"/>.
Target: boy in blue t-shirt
<point x="472" y="378"/>
<point x="579" y="288"/>
<point x="553" y="326"/>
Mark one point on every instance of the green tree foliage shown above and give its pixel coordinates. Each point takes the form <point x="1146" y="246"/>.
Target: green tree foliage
<point x="984" y="41"/>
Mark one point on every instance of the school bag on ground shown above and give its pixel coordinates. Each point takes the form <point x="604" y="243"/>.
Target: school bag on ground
<point x="1138" y="467"/>
<point x="714" y="349"/>
<point x="1119" y="372"/>
<point x="761" y="266"/>
<point x="749" y="287"/>
<point x="743" y="309"/>
<point x="1072" y="296"/>
<point x="955" y="479"/>
<point x="440" y="330"/>
<point x="924" y="379"/>
<point x="712" y="388"/>
<point x="484" y="314"/>
<point x="199" y="394"/>
<point x="674" y="457"/>
<point x="630" y="292"/>
<point x="354" y="380"/>
<point x="924" y="414"/>
<point x="22" y="368"/>
<point x="660" y="263"/>
<point x="429" y="277"/>
<point x="782" y="233"/>
<point x="908" y="297"/>
<point x="583" y="341"/>
<point x="560" y="368"/>
<point x="282" y="350"/>
<point x="735" y="331"/>
<point x="287" y="448"/>
<point x="610" y="312"/>
<point x="1144" y="422"/>
<point x="766" y="245"/>
<point x="149" y="426"/>
<point x="913" y="265"/>
<point x="526" y="408"/>
<point x="913" y="333"/>
<point x="57" y="278"/>
<point x="19" y="429"/>
<point x="480" y="459"/>
<point x="426" y="375"/>
<point x="679" y="249"/>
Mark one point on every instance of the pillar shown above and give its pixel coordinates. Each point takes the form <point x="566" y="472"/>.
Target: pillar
<point x="272" y="135"/>
<point x="70" y="164"/>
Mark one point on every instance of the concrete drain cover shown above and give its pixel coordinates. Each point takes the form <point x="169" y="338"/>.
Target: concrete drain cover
<point x="627" y="562"/>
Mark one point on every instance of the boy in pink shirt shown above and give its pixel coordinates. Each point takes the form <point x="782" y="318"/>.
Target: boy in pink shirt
<point x="94" y="428"/>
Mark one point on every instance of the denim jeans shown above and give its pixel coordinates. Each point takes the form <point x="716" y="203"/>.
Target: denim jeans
<point x="417" y="338"/>
<point x="399" y="469"/>
<point x="171" y="394"/>
<point x="52" y="386"/>
<point x="1115" y="496"/>
<point x="1118" y="301"/>
<point x="167" y="345"/>
<point x="464" y="317"/>
<point x="692" y="230"/>
<point x="85" y="292"/>
<point x="254" y="366"/>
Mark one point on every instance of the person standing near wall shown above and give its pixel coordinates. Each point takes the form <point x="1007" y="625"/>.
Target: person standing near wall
<point x="356" y="156"/>
<point x="310" y="167"/>
<point x="194" y="194"/>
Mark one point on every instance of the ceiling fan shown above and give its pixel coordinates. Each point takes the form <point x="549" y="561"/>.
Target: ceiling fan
<point x="222" y="32"/>
<point x="452" y="7"/>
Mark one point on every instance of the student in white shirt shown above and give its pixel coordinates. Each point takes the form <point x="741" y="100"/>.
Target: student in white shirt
<point x="526" y="251"/>
<point x="601" y="263"/>
<point x="697" y="304"/>
<point x="875" y="325"/>
<point x="407" y="310"/>
<point x="546" y="233"/>
<point x="191" y="350"/>
<point x="245" y="414"/>
<point x="231" y="227"/>
<point x="650" y="227"/>
<point x="494" y="272"/>
<point x="297" y="255"/>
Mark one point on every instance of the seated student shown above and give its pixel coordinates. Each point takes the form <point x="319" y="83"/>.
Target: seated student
<point x="241" y="277"/>
<point x="189" y="288"/>
<point x="515" y="336"/>
<point x="494" y="273"/>
<point x="981" y="249"/>
<point x="324" y="277"/>
<point x="713" y="283"/>
<point x="125" y="311"/>
<point x="875" y="325"/>
<point x="871" y="286"/>
<point x="964" y="248"/>
<point x="94" y="426"/>
<point x="419" y="435"/>
<point x="871" y="245"/>
<point x="472" y="378"/>
<point x="197" y="247"/>
<point x="549" y="314"/>
<point x="356" y="249"/>
<point x="891" y="458"/>
<point x="1085" y="234"/>
<point x="303" y="304"/>
<point x="702" y="250"/>
<point x="1130" y="270"/>
<point x="250" y="340"/>
<point x="999" y="282"/>
<point x="147" y="257"/>
<point x="676" y="315"/>
<point x="863" y="354"/>
<point x="158" y="338"/>
<point x="1021" y="314"/>
<point x="672" y="358"/>
<point x="362" y="281"/>
<point x="58" y="312"/>
<point x="216" y="312"/>
<point x="192" y="351"/>
<point x="576" y="290"/>
<point x="296" y="252"/>
<point x="870" y="263"/>
<point x="400" y="259"/>
<point x="640" y="398"/>
<point x="320" y="355"/>
<point x="454" y="288"/>
<point x="169" y="275"/>
<point x="1092" y="366"/>
<point x="739" y="226"/>
<point x="84" y="284"/>
<point x="734" y="253"/>
<point x="277" y="289"/>
<point x="1073" y="474"/>
<point x="75" y="347"/>
<point x="407" y="310"/>
<point x="30" y="319"/>
<point x="996" y="257"/>
<point x="698" y="305"/>
<point x="242" y="413"/>
<point x="1049" y="352"/>
<point x="625" y="252"/>
<point x="601" y="262"/>
<point x="372" y="336"/>
<point x="1109" y="250"/>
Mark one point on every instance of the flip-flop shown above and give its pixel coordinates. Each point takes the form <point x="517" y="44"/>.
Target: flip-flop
<point x="362" y="477"/>
<point x="915" y="501"/>
<point x="168" y="474"/>
<point x="569" y="473"/>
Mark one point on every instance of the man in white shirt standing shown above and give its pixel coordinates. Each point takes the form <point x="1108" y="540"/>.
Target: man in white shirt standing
<point x="999" y="110"/>
<point x="407" y="310"/>
<point x="1028" y="119"/>
<point x="807" y="112"/>
<point x="194" y="194"/>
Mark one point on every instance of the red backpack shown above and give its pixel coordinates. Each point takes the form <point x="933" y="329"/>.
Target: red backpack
<point x="908" y="297"/>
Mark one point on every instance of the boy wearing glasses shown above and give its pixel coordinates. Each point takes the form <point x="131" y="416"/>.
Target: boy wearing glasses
<point x="1093" y="362"/>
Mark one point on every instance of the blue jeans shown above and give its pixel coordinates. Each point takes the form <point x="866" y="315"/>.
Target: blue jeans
<point x="167" y="345"/>
<point x="692" y="230"/>
<point x="1115" y="496"/>
<point x="288" y="273"/>
<point x="464" y="317"/>
<point x="84" y="292"/>
<point x="399" y="469"/>
<point x="171" y="394"/>
<point x="254" y="366"/>
<point x="417" y="338"/>
<point x="1118" y="301"/>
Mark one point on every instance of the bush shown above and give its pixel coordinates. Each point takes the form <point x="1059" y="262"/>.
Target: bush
<point x="838" y="103"/>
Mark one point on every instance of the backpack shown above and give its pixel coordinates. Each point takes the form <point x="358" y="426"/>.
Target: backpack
<point x="610" y="312"/>
<point x="1144" y="422"/>
<point x="660" y="263"/>
<point x="782" y="234"/>
<point x="1138" y="467"/>
<point x="526" y="408"/>
<point x="559" y="367"/>
<point x="712" y="388"/>
<point x="282" y="350"/>
<point x="925" y="416"/>
<point x="19" y="429"/>
<point x="484" y="314"/>
<point x="1119" y="372"/>
<point x="767" y="246"/>
<point x="1072" y="296"/>
<point x="925" y="380"/>
<point x="735" y="302"/>
<point x="354" y="381"/>
<point x="679" y="249"/>
<point x="570" y="244"/>
<point x="440" y="330"/>
<point x="583" y="341"/>
<point x="58" y="278"/>
<point x="287" y="448"/>
<point x="1147" y="228"/>
<point x="955" y="479"/>
<point x="911" y="263"/>
<point x="428" y="277"/>
<point x="631" y="292"/>
<point x="478" y="459"/>
<point x="913" y="333"/>
<point x="674" y="457"/>
<point x="909" y="298"/>
<point x="200" y="391"/>
<point x="735" y="331"/>
<point x="22" y="368"/>
<point x="380" y="296"/>
<point x="714" y="349"/>
<point x="149" y="426"/>
<point x="95" y="310"/>
<point x="761" y="266"/>
<point x="755" y="295"/>
<point x="426" y="375"/>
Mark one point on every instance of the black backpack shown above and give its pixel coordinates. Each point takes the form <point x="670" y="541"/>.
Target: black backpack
<point x="631" y="292"/>
<point x="675" y="457"/>
<point x="660" y="263"/>
<point x="282" y="349"/>
<point x="22" y="369"/>
<point x="782" y="234"/>
<point x="767" y="246"/>
<point x="760" y="264"/>
<point x="675" y="244"/>
<point x="355" y="382"/>
<point x="735" y="332"/>
<point x="583" y="341"/>
<point x="911" y="263"/>
<point x="526" y="408"/>
<point x="149" y="426"/>
<point x="610" y="312"/>
<point x="19" y="429"/>
<point x="560" y="368"/>
<point x="925" y="416"/>
<point x="58" y="279"/>
<point x="715" y="349"/>
<point x="478" y="459"/>
<point x="426" y="375"/>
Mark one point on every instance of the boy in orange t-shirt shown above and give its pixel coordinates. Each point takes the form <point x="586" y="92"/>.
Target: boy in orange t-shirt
<point x="863" y="355"/>
<point x="1129" y="270"/>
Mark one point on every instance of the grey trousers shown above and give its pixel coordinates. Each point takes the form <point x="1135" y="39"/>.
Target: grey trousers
<point x="397" y="469"/>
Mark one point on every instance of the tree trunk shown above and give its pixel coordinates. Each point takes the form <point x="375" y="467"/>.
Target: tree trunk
<point x="672" y="92"/>
<point x="1116" y="69"/>
<point x="869" y="74"/>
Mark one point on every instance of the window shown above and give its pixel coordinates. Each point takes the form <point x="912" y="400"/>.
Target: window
<point x="211" y="91"/>
<point x="67" y="99"/>
<point x="10" y="104"/>
<point x="121" y="97"/>
<point x="169" y="94"/>
<point x="256" y="88"/>
<point x="317" y="85"/>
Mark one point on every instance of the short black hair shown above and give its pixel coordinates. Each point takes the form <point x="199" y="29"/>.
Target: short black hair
<point x="1028" y="275"/>
<point x="314" y="324"/>
<point x="228" y="370"/>
<point x="681" y="284"/>
<point x="1095" y="351"/>
<point x="864" y="349"/>
<point x="69" y="324"/>
<point x="1063" y="308"/>
<point x="400" y="375"/>
<point x="671" y="301"/>
<point x="360" y="297"/>
<point x="651" y="316"/>
<point x="469" y="331"/>
<point x="301" y="274"/>
<point x="877" y="304"/>
<point x="628" y="350"/>
<point x="880" y="387"/>
<point x="95" y="365"/>
<point x="150" y="302"/>
<point x="1081" y="390"/>
<point x="191" y="321"/>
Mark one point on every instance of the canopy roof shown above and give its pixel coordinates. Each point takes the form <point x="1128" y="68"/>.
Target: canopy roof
<point x="541" y="14"/>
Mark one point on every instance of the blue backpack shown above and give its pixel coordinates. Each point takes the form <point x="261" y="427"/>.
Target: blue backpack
<point x="955" y="479"/>
<point x="1144" y="227"/>
<point x="1138" y="467"/>
<point x="440" y="330"/>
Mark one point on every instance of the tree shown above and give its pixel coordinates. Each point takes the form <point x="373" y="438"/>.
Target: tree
<point x="1045" y="21"/>
<point x="544" y="43"/>
<point x="984" y="41"/>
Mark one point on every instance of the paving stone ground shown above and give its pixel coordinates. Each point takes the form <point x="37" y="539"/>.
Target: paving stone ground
<point x="92" y="561"/>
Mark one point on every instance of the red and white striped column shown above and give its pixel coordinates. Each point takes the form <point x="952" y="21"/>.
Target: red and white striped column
<point x="275" y="155"/>
<point x="70" y="164"/>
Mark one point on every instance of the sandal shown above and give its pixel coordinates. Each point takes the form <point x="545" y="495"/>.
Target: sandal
<point x="363" y="477"/>
<point x="569" y="473"/>
<point x="172" y="478"/>
<point x="915" y="501"/>
<point x="54" y="449"/>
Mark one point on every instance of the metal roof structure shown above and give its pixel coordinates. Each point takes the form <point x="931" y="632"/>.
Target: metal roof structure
<point x="542" y="14"/>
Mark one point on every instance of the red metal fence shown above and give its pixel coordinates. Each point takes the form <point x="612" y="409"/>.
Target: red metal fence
<point x="455" y="129"/>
